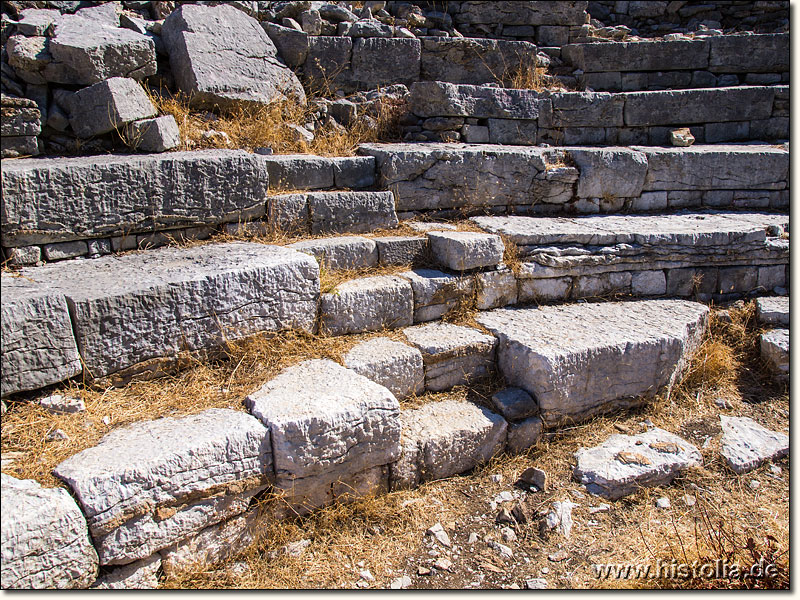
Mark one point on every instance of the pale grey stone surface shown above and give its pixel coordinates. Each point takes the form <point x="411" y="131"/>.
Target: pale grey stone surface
<point x="512" y="132"/>
<point x="351" y="212"/>
<point x="221" y="56"/>
<point x="367" y="304"/>
<point x="645" y="55"/>
<point x="649" y="283"/>
<point x="328" y="424"/>
<point x="453" y="355"/>
<point x="139" y="575"/>
<point x="44" y="541"/>
<point x="436" y="292"/>
<point x="441" y="99"/>
<point x="299" y="172"/>
<point x="402" y="250"/>
<point x="60" y="199"/>
<point x="543" y="290"/>
<point x="609" y="171"/>
<point x="471" y="60"/>
<point x="154" y="135"/>
<point x="466" y="250"/>
<point x="514" y="404"/>
<point x="775" y="349"/>
<point x="353" y="172"/>
<point x="581" y="359"/>
<point x="345" y="252"/>
<point x="288" y="213"/>
<point x="441" y="439"/>
<point x="65" y="250"/>
<point x="292" y="45"/>
<point x="524" y="434"/>
<point x="86" y="52"/>
<point x="746" y="445"/>
<point x="496" y="289"/>
<point x="749" y="54"/>
<point x="133" y="310"/>
<point x="38" y="346"/>
<point x="385" y="61"/>
<point x="586" y="109"/>
<point x="181" y="463"/>
<point x="107" y="105"/>
<point x="522" y="13"/>
<point x="623" y="464"/>
<point x="773" y="310"/>
<point x="394" y="365"/>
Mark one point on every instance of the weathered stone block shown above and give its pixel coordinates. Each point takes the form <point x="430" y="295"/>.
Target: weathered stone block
<point x="649" y="283"/>
<point x="288" y="213"/>
<point x="473" y="61"/>
<point x="514" y="404"/>
<point x="45" y="542"/>
<point x="353" y="172"/>
<point x="65" y="250"/>
<point x="329" y="62"/>
<point x="746" y="445"/>
<point x="154" y="135"/>
<point x="599" y="366"/>
<point x="543" y="290"/>
<point x="299" y="172"/>
<point x="466" y="250"/>
<point x="221" y="56"/>
<point x="367" y="304"/>
<point x="520" y="13"/>
<point x="587" y="109"/>
<point x="495" y="289"/>
<point x="292" y="45"/>
<point x="436" y="292"/>
<point x="327" y="424"/>
<point x="385" y="61"/>
<point x="351" y="212"/>
<point x="394" y="365"/>
<point x="440" y="99"/>
<point x="643" y="55"/>
<point x="104" y="106"/>
<point x="453" y="355"/>
<point x="347" y="252"/>
<point x="775" y="350"/>
<point x="139" y="575"/>
<point x="441" y="439"/>
<point x="617" y="172"/>
<point x="402" y="250"/>
<point x="773" y="310"/>
<point x="512" y="132"/>
<point x="737" y="280"/>
<point x="749" y="54"/>
<point x="524" y="434"/>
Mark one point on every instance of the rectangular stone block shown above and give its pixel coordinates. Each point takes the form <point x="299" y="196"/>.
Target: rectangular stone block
<point x="328" y="66"/>
<point x="618" y="172"/>
<point x="384" y="61"/>
<point x="436" y="292"/>
<point x="61" y="199"/>
<point x="440" y="99"/>
<point x="453" y="355"/>
<point x="643" y="55"/>
<point x="299" y="172"/>
<point x="473" y="61"/>
<point x="367" y="304"/>
<point x="394" y="365"/>
<point x="682" y="107"/>
<point x="543" y="290"/>
<point x="524" y="434"/>
<point x="750" y="53"/>
<point x="522" y="13"/>
<point x="466" y="250"/>
<point x="495" y="289"/>
<point x="288" y="213"/>
<point x="351" y="212"/>
<point x="346" y="252"/>
<point x="353" y="172"/>
<point x="402" y="250"/>
<point x="512" y="132"/>
<point x="587" y="109"/>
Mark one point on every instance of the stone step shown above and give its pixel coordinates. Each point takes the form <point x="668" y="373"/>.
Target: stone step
<point x="724" y="60"/>
<point x="137" y="313"/>
<point x="435" y="178"/>
<point x="706" y="254"/>
<point x="774" y="346"/>
<point x="773" y="311"/>
<point x="60" y="208"/>
<point x="579" y="360"/>
<point x="527" y="117"/>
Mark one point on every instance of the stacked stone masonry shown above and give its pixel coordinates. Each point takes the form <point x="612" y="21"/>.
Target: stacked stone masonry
<point x="450" y="112"/>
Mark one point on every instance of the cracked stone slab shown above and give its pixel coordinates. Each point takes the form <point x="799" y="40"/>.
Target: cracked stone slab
<point x="299" y="172"/>
<point x="38" y="345"/>
<point x="328" y="424"/>
<point x="746" y="445"/>
<point x="441" y="439"/>
<point x="773" y="310"/>
<point x="436" y="292"/>
<point x="452" y="354"/>
<point x="775" y="349"/>
<point x="441" y="99"/>
<point x="48" y="200"/>
<point x="44" y="542"/>
<point x="137" y="311"/>
<point x="189" y="472"/>
<point x="466" y="250"/>
<point x="367" y="304"/>
<point x="578" y="360"/>
<point x="345" y="252"/>
<point x="394" y="365"/>
<point x="622" y="464"/>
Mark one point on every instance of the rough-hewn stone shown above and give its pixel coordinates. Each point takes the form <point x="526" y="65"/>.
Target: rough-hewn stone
<point x="466" y="250"/>
<point x="299" y="172"/>
<point x="436" y="292"/>
<point x="441" y="99"/>
<point x="645" y="55"/>
<point x="745" y="444"/>
<point x="154" y="135"/>
<point x="139" y="575"/>
<point x="514" y="404"/>
<point x="345" y="252"/>
<point x="107" y="105"/>
<point x="367" y="304"/>
<point x="773" y="310"/>
<point x="385" y="61"/>
<point x="402" y="250"/>
<point x="394" y="365"/>
<point x="775" y="350"/>
<point x="473" y="61"/>
<point x="351" y="212"/>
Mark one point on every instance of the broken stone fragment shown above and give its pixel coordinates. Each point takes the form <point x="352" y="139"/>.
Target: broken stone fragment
<point x="746" y="444"/>
<point x="104" y="106"/>
<point x="682" y="137"/>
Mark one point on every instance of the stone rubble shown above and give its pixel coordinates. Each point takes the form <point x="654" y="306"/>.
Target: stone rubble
<point x="745" y="444"/>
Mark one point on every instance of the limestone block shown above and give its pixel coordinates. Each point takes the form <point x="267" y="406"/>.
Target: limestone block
<point x="353" y="172"/>
<point x="441" y="439"/>
<point x="773" y="311"/>
<point x="466" y="250"/>
<point x="134" y="312"/>
<point x="587" y="109"/>
<point x="288" y="213"/>
<point x="299" y="172"/>
<point x="737" y="280"/>
<point x="154" y="135"/>
<point x="44" y="541"/>
<point x="189" y="472"/>
<point x="223" y="57"/>
<point x="453" y="355"/>
<point x="327" y="424"/>
<point x="750" y="54"/>
<point x="512" y="132"/>
<point x="62" y="199"/>
<point x="618" y="172"/>
<point x="351" y="212"/>
<point x="436" y="292"/>
<point x="471" y="60"/>
<point x="773" y="277"/>
<point x="86" y="52"/>
<point x="543" y="290"/>
<point x="680" y="107"/>
<point x="440" y="99"/>
<point x="13" y="146"/>
<point x="36" y="21"/>
<point x="615" y="354"/>
<point x="746" y="445"/>
<point x="623" y="464"/>
<point x="104" y="106"/>
<point x="28" y="54"/>
<point x="65" y="250"/>
<point x="524" y="434"/>
<point x="346" y="252"/>
<point x="775" y="350"/>
<point x="514" y="404"/>
<point x="38" y="346"/>
<point x="394" y="365"/>
<point x="649" y="283"/>
<point x="367" y="304"/>
<point x="645" y="55"/>
<point x="402" y="250"/>
<point x="292" y="45"/>
<point x="379" y="62"/>
<point x="522" y="13"/>
<point x="139" y="575"/>
<point x="329" y="62"/>
<point x="496" y="289"/>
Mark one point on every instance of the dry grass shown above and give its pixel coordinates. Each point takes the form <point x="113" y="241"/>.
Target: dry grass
<point x="251" y="127"/>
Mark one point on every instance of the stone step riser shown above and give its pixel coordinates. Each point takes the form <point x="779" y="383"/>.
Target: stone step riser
<point x="526" y="117"/>
<point x="438" y="178"/>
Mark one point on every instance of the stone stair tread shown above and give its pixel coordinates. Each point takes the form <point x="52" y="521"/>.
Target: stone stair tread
<point x="773" y="310"/>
